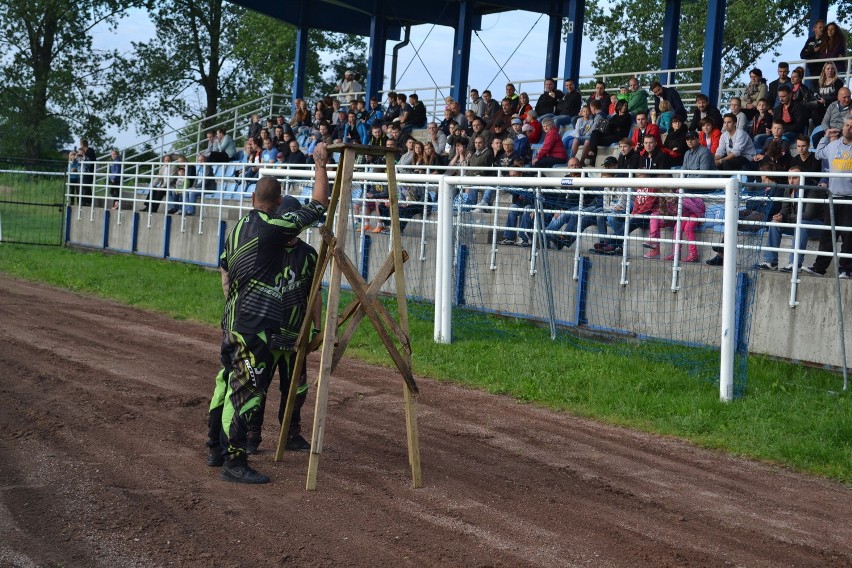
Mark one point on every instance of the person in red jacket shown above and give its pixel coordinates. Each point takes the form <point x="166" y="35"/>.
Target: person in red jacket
<point x="532" y="127"/>
<point x="709" y="135"/>
<point x="643" y="129"/>
<point x="552" y="151"/>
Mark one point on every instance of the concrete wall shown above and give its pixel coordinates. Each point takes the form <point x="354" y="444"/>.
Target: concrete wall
<point x="806" y="333"/>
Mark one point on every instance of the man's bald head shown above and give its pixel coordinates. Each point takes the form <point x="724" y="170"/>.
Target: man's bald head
<point x="267" y="193"/>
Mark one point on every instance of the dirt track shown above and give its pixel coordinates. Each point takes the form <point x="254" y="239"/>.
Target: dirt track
<point x="103" y="413"/>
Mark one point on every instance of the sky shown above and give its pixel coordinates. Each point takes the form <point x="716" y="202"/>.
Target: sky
<point x="501" y="34"/>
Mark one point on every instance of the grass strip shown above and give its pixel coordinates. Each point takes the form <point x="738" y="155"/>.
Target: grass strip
<point x="791" y="415"/>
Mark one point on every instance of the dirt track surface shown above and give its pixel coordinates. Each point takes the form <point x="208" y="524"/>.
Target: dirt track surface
<point x="102" y="430"/>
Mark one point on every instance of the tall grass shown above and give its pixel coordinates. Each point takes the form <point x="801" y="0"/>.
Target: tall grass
<point x="790" y="415"/>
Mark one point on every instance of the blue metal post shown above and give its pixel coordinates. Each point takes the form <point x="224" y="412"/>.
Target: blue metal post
<point x="574" y="42"/>
<point x="819" y="11"/>
<point x="712" y="63"/>
<point x="105" y="243"/>
<point x="365" y="258"/>
<point x="223" y="237"/>
<point x="554" y="39"/>
<point x="299" y="67"/>
<point x="376" y="70"/>
<point x="460" y="275"/>
<point x="582" y="291"/>
<point x="461" y="53"/>
<point x="167" y="236"/>
<point x="671" y="35"/>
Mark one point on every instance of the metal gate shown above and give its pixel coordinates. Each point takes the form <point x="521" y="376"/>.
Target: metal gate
<point x="31" y="207"/>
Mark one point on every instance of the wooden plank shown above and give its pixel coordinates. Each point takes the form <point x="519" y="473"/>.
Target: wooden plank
<point x="396" y="251"/>
<point x="363" y="149"/>
<point x="330" y="328"/>
<point x="413" y="435"/>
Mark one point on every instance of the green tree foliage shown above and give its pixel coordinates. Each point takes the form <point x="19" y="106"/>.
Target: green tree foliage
<point x="51" y="80"/>
<point x="632" y="39"/>
<point x="212" y="54"/>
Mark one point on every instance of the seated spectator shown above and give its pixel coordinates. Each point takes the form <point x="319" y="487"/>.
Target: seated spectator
<point x="269" y="152"/>
<point x="408" y="157"/>
<point x="296" y="155"/>
<point x="568" y="108"/>
<point x="227" y="148"/>
<point x="828" y="87"/>
<point x="203" y="183"/>
<point x="300" y="122"/>
<point x="507" y="156"/>
<point x="270" y="127"/>
<point x="835" y="113"/>
<point x="415" y="117"/>
<point x="800" y="92"/>
<point x="737" y="111"/>
<point x="523" y="106"/>
<point x="552" y="151"/>
<point x="783" y="79"/>
<point x="669" y="94"/>
<point x="637" y="98"/>
<point x="437" y="138"/>
<point x="532" y="128"/>
<point x="491" y="108"/>
<point x="617" y="128"/>
<point x="780" y="148"/>
<point x="479" y="129"/>
<point x="458" y="134"/>
<point x="431" y="157"/>
<point x="736" y="149"/>
<point x="664" y="120"/>
<point x="565" y="205"/>
<point x="652" y="157"/>
<point x="502" y="119"/>
<point x="805" y="160"/>
<point x="644" y="203"/>
<point x="375" y="113"/>
<point x="589" y="213"/>
<point x="582" y="131"/>
<point x="753" y="92"/>
<point x="351" y="135"/>
<point x="697" y="157"/>
<point x="513" y="97"/>
<point x="458" y="115"/>
<point x="704" y="110"/>
<point x="393" y="109"/>
<point x="520" y="212"/>
<point x="461" y="158"/>
<point x="477" y="105"/>
<point x="643" y="129"/>
<point x="675" y="143"/>
<point x="761" y="123"/>
<point x="482" y="157"/>
<point x="613" y="105"/>
<point x="520" y="140"/>
<point x="692" y="208"/>
<point x="548" y="102"/>
<point x="709" y="135"/>
<point x="835" y="45"/>
<point x="599" y="94"/>
<point x="812" y="216"/>
<point x="628" y="157"/>
<point x="612" y="203"/>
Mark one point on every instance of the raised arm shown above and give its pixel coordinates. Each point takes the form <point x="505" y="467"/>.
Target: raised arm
<point x="320" y="192"/>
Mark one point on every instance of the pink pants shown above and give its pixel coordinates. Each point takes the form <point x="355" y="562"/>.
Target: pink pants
<point x="688" y="228"/>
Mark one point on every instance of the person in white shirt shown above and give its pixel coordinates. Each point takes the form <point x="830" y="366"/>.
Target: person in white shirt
<point x="736" y="149"/>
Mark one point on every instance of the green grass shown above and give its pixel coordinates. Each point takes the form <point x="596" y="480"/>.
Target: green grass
<point x="30" y="208"/>
<point x="790" y="415"/>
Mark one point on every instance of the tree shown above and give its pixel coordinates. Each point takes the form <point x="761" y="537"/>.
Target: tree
<point x="632" y="45"/>
<point x="51" y="79"/>
<point x="227" y="53"/>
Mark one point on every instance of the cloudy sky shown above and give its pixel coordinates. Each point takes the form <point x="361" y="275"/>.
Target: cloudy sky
<point x="501" y="34"/>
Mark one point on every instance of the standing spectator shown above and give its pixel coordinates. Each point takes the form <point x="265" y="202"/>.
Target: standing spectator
<point x="668" y="94"/>
<point x="753" y="92"/>
<point x="74" y="171"/>
<point x="835" y="45"/>
<point x="114" y="177"/>
<point x="736" y="149"/>
<point x="87" y="158"/>
<point x="254" y="126"/>
<point x="813" y="48"/>
<point x="836" y="149"/>
<point x="691" y="208"/>
<point x="348" y="87"/>
<point x="159" y="184"/>
<point x="703" y="109"/>
<point x="812" y="216"/>
<point x="783" y="79"/>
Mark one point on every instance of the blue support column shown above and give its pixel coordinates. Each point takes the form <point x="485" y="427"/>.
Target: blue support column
<point x="461" y="53"/>
<point x="376" y="70"/>
<point x="299" y="67"/>
<point x="819" y="11"/>
<point x="671" y="35"/>
<point x="712" y="63"/>
<point x="574" y="42"/>
<point x="554" y="39"/>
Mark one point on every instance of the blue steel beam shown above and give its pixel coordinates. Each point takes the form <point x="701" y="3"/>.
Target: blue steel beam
<point x="461" y="52"/>
<point x="712" y="73"/>
<point x="819" y="11"/>
<point x="299" y="64"/>
<point x="574" y="41"/>
<point x="554" y="40"/>
<point x="376" y="58"/>
<point x="671" y="34"/>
